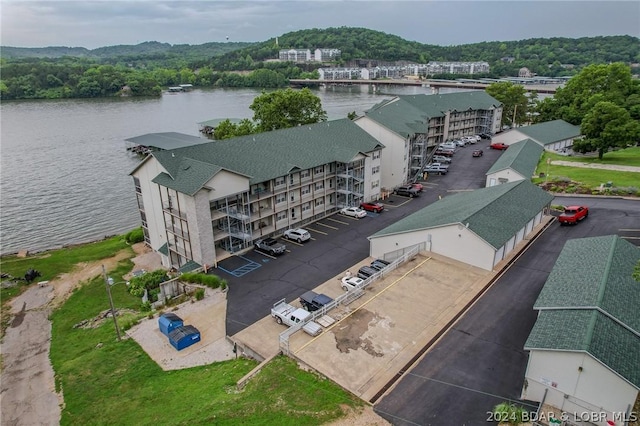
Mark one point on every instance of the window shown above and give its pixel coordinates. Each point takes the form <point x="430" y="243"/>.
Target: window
<point x="376" y="155"/>
<point x="280" y="181"/>
<point x="306" y="206"/>
<point x="319" y="202"/>
<point x="305" y="174"/>
<point x="319" y="170"/>
<point x="375" y="184"/>
<point x="281" y="215"/>
<point x="281" y="198"/>
<point x="319" y="185"/>
<point x="375" y="170"/>
<point x="306" y="189"/>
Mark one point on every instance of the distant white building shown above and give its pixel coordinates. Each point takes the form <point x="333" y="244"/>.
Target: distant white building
<point x="295" y="55"/>
<point x="414" y="70"/>
<point x="305" y="55"/>
<point x="326" y="55"/>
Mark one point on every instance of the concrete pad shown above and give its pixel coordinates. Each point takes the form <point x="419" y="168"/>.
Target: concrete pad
<point x="382" y="331"/>
<point x="208" y="316"/>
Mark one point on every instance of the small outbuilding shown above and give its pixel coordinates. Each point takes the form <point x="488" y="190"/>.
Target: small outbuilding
<point x="183" y="337"/>
<point x="519" y="162"/>
<point x="169" y="322"/>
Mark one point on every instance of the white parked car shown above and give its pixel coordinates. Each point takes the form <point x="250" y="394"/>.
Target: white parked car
<point x="450" y="145"/>
<point x="298" y="235"/>
<point x="441" y="159"/>
<point x="349" y="283"/>
<point x="353" y="212"/>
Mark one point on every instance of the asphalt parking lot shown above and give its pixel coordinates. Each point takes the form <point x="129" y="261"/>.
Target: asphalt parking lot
<point x="480" y="362"/>
<point x="477" y="364"/>
<point x="337" y="244"/>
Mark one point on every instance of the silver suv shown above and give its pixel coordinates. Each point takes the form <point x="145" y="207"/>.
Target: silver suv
<point x="298" y="235"/>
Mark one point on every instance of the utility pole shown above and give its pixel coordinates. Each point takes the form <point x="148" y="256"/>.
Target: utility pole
<point x="107" y="283"/>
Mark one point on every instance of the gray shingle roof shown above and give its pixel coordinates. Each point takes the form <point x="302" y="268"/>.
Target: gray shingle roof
<point x="590" y="304"/>
<point x="264" y="156"/>
<point x="589" y="331"/>
<point x="550" y="131"/>
<point x="522" y="156"/>
<point x="167" y="140"/>
<point x="407" y="115"/>
<point x="495" y="214"/>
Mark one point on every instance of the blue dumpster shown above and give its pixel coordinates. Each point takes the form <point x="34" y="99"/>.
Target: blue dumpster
<point x="169" y="322"/>
<point x="183" y="337"/>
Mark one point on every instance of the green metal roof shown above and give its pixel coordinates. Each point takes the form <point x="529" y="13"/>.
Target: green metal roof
<point x="167" y="140"/>
<point x="215" y="121"/>
<point x="189" y="266"/>
<point x="590" y="331"/>
<point x="407" y="115"/>
<point x="550" y="131"/>
<point x="590" y="304"/>
<point x="522" y="156"/>
<point x="264" y="156"/>
<point x="164" y="249"/>
<point x="595" y="273"/>
<point x="495" y="213"/>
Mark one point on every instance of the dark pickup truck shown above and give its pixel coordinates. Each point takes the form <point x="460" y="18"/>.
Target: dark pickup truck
<point x="270" y="246"/>
<point x="313" y="301"/>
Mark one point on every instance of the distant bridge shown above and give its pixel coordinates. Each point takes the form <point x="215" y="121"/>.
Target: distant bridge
<point x="434" y="84"/>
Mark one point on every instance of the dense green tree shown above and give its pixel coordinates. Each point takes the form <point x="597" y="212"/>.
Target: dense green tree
<point x="226" y="129"/>
<point x="286" y="108"/>
<point x="605" y="126"/>
<point x="514" y="100"/>
<point x="596" y="83"/>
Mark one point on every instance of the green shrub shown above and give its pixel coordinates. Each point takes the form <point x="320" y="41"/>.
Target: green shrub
<point x="212" y="281"/>
<point x="148" y="281"/>
<point x="134" y="236"/>
<point x="199" y="294"/>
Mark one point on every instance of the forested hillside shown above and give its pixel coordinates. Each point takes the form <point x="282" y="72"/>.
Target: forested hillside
<point x="145" y="69"/>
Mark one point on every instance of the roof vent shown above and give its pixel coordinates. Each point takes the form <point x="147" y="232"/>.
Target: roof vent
<point x="173" y="154"/>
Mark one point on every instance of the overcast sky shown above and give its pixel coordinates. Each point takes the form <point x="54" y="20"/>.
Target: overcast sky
<point x="93" y="24"/>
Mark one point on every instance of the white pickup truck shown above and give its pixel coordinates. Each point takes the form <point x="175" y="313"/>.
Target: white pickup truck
<point x="285" y="313"/>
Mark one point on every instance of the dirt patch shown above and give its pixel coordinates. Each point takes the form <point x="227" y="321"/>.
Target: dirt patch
<point x="364" y="416"/>
<point x="27" y="392"/>
<point x="351" y="336"/>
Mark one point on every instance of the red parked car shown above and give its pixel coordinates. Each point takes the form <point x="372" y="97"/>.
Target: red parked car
<point x="372" y="207"/>
<point x="418" y="186"/>
<point x="499" y="145"/>
<point x="573" y="215"/>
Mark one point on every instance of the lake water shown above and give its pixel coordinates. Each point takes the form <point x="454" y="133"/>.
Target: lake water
<point x="65" y="168"/>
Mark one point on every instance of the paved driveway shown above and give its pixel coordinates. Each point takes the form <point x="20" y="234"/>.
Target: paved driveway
<point x="480" y="361"/>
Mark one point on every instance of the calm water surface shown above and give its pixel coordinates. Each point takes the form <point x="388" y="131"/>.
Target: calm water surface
<point x="65" y="168"/>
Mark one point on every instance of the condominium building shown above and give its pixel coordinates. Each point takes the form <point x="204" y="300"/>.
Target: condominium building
<point x="410" y="125"/>
<point x="203" y="201"/>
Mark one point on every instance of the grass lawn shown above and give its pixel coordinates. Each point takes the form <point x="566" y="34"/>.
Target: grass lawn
<point x="592" y="177"/>
<point x="109" y="382"/>
<point x="55" y="262"/>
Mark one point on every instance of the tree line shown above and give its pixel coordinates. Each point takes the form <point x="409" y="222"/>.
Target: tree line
<point x="147" y="68"/>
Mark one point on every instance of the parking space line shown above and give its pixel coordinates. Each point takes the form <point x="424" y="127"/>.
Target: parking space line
<point x="315" y="230"/>
<point x="629" y="230"/>
<point x="630" y="238"/>
<point x="294" y="243"/>
<point x="338" y="221"/>
<point x="264" y="253"/>
<point x="328" y="226"/>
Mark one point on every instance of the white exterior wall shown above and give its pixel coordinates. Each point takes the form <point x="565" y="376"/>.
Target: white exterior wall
<point x="226" y="183"/>
<point x="509" y="137"/>
<point x="595" y="388"/>
<point x="371" y="192"/>
<point x="454" y="241"/>
<point x="496" y="125"/>
<point x="200" y="229"/>
<point x="149" y="169"/>
<point x="509" y="174"/>
<point x="394" y="161"/>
